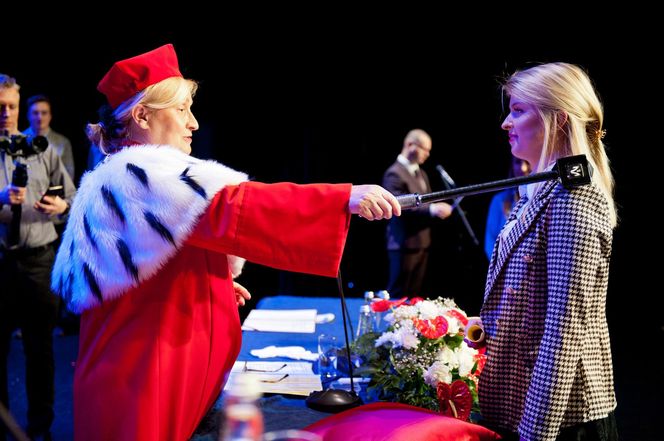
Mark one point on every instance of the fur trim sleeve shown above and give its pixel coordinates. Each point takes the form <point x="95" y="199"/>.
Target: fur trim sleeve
<point x="130" y="216"/>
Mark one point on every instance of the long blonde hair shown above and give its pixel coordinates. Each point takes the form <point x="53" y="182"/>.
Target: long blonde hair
<point x="572" y="116"/>
<point x="110" y="134"/>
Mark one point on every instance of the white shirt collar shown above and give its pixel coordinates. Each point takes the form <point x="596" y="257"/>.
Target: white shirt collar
<point x="410" y="166"/>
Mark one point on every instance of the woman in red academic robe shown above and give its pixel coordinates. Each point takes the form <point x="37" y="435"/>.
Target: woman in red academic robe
<point x="148" y="256"/>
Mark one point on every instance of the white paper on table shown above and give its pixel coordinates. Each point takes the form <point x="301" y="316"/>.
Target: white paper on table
<point x="293" y="352"/>
<point x="281" y="320"/>
<point x="301" y="379"/>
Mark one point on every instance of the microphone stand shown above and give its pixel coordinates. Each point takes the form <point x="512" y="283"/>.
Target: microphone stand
<point x="449" y="185"/>
<point x="572" y="171"/>
<point x="335" y="400"/>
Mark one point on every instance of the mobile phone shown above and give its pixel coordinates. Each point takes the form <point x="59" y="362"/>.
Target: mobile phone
<point x="54" y="190"/>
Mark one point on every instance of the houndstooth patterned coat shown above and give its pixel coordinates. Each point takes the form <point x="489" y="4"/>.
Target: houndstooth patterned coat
<point x="549" y="357"/>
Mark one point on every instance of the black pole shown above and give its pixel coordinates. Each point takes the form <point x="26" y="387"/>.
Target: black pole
<point x="335" y="400"/>
<point x="19" y="179"/>
<point x="572" y="171"/>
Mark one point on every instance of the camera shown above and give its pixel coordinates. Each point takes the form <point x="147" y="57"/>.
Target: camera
<point x="22" y="146"/>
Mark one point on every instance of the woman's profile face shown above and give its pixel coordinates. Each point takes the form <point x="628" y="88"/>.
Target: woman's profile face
<point x="525" y="131"/>
<point x="173" y="126"/>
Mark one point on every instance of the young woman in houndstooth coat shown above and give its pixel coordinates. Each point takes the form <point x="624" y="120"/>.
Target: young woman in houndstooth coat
<point x="549" y="370"/>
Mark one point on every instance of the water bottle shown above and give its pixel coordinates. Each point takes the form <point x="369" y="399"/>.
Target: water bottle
<point x="242" y="412"/>
<point x="380" y="325"/>
<point x="365" y="323"/>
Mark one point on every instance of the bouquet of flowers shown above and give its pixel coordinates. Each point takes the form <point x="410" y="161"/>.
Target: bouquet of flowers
<point x="422" y="358"/>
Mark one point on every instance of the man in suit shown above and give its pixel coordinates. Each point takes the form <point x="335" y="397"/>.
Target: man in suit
<point x="409" y="237"/>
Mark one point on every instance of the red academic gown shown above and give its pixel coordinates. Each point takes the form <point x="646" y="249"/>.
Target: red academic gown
<point x="153" y="361"/>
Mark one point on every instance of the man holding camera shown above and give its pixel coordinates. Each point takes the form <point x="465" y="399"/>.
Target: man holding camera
<point x="27" y="232"/>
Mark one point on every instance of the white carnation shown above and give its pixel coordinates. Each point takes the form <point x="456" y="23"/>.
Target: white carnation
<point x="409" y="338"/>
<point x="389" y="337"/>
<point x="447" y="356"/>
<point x="436" y="373"/>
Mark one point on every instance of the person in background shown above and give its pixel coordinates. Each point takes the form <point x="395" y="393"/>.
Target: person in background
<point x="548" y="374"/>
<point x="26" y="301"/>
<point x="501" y="206"/>
<point x="154" y="240"/>
<point x="409" y="236"/>
<point x="40" y="116"/>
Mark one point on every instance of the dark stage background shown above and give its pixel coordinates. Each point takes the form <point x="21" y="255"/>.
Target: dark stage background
<point x="330" y="111"/>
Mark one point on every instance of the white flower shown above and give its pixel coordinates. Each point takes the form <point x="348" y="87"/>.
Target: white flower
<point x="404" y="312"/>
<point x="408" y="336"/>
<point x="449" y="304"/>
<point x="466" y="359"/>
<point x="428" y="310"/>
<point x="389" y="337"/>
<point x="447" y="356"/>
<point x="454" y="326"/>
<point x="437" y="372"/>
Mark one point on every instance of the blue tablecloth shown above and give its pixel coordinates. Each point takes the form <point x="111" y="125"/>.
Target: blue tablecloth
<point x="288" y="412"/>
<point x="256" y="340"/>
<point x="285" y="412"/>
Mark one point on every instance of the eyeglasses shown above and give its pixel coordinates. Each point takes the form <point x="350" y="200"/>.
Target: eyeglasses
<point x="248" y="369"/>
<point x="275" y="381"/>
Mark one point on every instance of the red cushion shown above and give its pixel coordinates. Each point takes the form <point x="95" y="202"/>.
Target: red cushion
<point x="397" y="422"/>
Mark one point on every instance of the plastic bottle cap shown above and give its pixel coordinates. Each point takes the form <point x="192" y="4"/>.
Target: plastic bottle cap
<point x="247" y="385"/>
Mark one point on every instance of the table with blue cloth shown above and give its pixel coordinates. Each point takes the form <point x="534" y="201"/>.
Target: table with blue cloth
<point x="289" y="412"/>
<point x="280" y="411"/>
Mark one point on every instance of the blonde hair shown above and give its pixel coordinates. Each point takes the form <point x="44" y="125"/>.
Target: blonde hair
<point x="572" y="116"/>
<point x="111" y="133"/>
<point x="7" y="82"/>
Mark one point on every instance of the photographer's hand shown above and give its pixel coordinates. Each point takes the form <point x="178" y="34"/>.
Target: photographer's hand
<point x="51" y="205"/>
<point x="11" y="195"/>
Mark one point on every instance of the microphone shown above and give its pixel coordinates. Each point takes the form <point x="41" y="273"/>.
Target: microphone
<point x="19" y="179"/>
<point x="571" y="171"/>
<point x="447" y="179"/>
<point x="449" y="185"/>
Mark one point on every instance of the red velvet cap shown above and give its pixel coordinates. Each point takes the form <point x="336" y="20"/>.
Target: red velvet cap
<point x="128" y="77"/>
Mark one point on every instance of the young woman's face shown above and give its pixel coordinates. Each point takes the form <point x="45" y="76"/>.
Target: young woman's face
<point x="173" y="126"/>
<point x="525" y="130"/>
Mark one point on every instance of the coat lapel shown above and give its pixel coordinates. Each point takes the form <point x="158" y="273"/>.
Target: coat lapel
<point x="523" y="224"/>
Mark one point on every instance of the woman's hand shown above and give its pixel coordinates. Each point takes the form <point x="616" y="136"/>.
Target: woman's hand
<point x="241" y="294"/>
<point x="373" y="202"/>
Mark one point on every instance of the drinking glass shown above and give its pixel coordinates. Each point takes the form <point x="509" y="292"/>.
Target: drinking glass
<point x="328" y="346"/>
